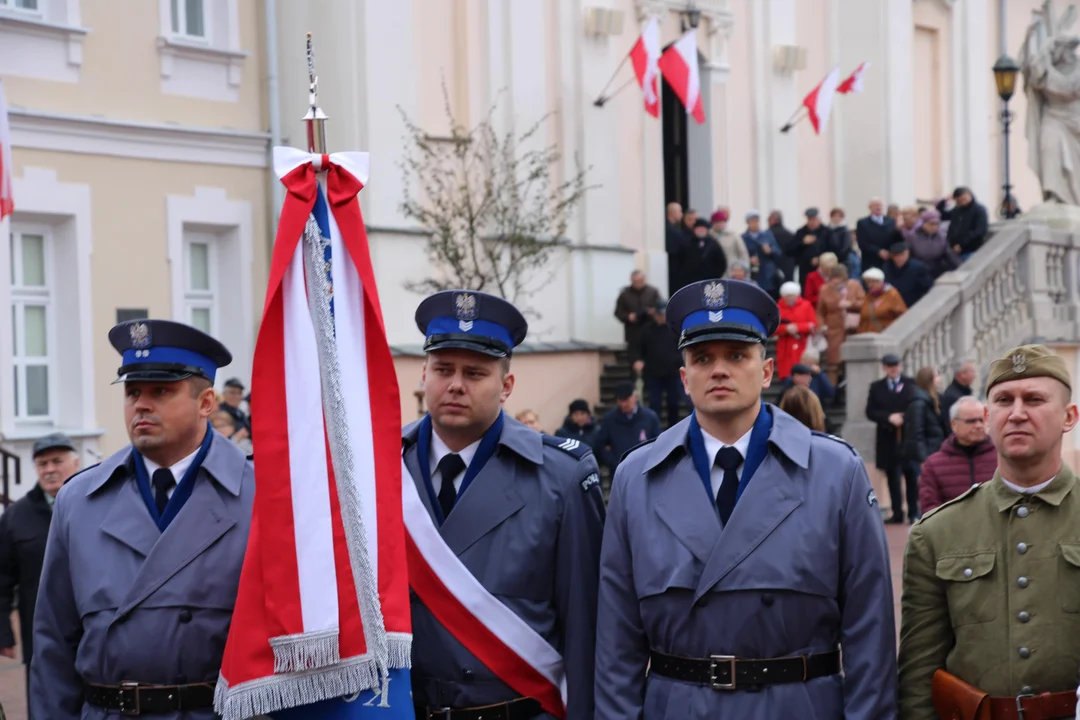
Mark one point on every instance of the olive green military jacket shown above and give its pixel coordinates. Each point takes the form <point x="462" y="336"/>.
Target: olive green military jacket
<point x="992" y="594"/>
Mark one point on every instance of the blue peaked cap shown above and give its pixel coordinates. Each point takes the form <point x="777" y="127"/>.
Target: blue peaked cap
<point x="733" y="310"/>
<point x="166" y="351"/>
<point x="470" y="320"/>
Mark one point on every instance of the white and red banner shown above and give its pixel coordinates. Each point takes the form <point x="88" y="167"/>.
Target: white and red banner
<point x="679" y="64"/>
<point x="645" y="56"/>
<point x="323" y="606"/>
<point x="853" y="83"/>
<point x="7" y="189"/>
<point x="818" y="102"/>
<point x="487" y="628"/>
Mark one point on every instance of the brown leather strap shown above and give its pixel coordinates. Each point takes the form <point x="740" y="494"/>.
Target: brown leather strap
<point x="1045" y="706"/>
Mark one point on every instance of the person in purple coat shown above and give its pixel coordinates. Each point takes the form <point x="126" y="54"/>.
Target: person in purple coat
<point x="743" y="552"/>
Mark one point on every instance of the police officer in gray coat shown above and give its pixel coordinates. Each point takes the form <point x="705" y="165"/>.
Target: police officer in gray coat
<point x="742" y="551"/>
<point x="145" y="549"/>
<point x="522" y="511"/>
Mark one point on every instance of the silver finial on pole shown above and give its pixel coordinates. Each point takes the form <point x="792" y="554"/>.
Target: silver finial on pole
<point x="315" y="118"/>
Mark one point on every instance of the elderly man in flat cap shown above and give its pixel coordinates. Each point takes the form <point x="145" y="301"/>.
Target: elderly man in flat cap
<point x="991" y="603"/>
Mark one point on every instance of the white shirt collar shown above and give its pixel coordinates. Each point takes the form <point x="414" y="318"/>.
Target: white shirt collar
<point x="713" y="446"/>
<point x="1027" y="490"/>
<point x="177" y="470"/>
<point x="439" y="450"/>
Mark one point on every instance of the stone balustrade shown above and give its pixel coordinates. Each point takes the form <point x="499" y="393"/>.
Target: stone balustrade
<point x="1021" y="287"/>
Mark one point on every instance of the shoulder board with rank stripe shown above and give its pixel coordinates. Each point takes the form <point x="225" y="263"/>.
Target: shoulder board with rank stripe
<point x="570" y="446"/>
<point x="840" y="440"/>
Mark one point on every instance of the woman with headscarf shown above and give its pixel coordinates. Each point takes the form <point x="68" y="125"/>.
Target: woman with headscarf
<point x="838" y="311"/>
<point x="930" y="245"/>
<point x="882" y="303"/>
<point x="798" y="320"/>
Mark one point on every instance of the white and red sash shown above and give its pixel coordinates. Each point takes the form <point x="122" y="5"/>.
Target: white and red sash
<point x="491" y="631"/>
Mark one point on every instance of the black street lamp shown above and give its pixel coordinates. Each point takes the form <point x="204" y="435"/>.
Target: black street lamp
<point x="1005" y="72"/>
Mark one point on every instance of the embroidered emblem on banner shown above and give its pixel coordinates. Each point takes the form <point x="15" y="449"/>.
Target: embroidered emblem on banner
<point x="713" y="295"/>
<point x="1019" y="364"/>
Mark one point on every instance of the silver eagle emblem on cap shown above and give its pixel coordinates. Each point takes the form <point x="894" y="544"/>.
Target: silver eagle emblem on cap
<point x="140" y="335"/>
<point x="1019" y="364"/>
<point x="466" y="309"/>
<point x="713" y="295"/>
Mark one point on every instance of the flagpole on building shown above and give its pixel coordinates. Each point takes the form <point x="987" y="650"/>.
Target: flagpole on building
<point x="794" y="119"/>
<point x="600" y="99"/>
<point x="315" y="119"/>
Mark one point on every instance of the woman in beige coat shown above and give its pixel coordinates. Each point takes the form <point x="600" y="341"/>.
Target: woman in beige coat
<point x="882" y="304"/>
<point x="838" y="311"/>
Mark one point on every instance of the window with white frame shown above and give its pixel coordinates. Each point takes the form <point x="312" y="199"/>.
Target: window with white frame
<point x="200" y="274"/>
<point x="31" y="314"/>
<point x="29" y="5"/>
<point x="189" y="19"/>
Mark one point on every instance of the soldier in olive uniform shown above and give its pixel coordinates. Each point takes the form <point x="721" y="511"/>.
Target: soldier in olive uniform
<point x="992" y="579"/>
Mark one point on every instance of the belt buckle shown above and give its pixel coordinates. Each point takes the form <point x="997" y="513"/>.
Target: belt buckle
<point x="1020" y="712"/>
<point x="714" y="661"/>
<point x="125" y="699"/>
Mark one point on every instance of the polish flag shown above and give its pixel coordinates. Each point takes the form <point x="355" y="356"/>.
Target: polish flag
<point x="644" y="55"/>
<point x="853" y="83"/>
<point x="819" y="101"/>
<point x="7" y="195"/>
<point x="679" y="63"/>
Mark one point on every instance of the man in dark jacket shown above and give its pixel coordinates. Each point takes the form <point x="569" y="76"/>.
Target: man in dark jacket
<point x="809" y="377"/>
<point x="966" y="458"/>
<point x="625" y="426"/>
<point x="24" y="528"/>
<point x="675" y="243"/>
<point x="704" y="257"/>
<point x="874" y="233"/>
<point x="968" y="223"/>
<point x="911" y="278"/>
<point x="632" y="309"/>
<point x="961" y="386"/>
<point x="885" y="405"/>
<point x="808" y="245"/>
<point x="765" y="254"/>
<point x="786" y="240"/>
<point x="579" y="424"/>
<point x="658" y="363"/>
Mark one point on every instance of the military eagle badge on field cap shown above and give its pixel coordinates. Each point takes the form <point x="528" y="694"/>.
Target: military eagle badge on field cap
<point x="466" y="309"/>
<point x="1019" y="363"/>
<point x="140" y="338"/>
<point x="713" y="296"/>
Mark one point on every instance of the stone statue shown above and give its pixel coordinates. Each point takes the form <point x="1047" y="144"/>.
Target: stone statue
<point x="1051" y="72"/>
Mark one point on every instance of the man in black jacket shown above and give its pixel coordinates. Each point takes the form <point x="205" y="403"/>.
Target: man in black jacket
<point x="911" y="278"/>
<point x="961" y="386"/>
<point x="808" y="245"/>
<point x="786" y="239"/>
<point x="885" y="405"/>
<point x="968" y="223"/>
<point x="624" y="427"/>
<point x="579" y="424"/>
<point x="874" y="233"/>
<point x="658" y="362"/>
<point x="24" y="528"/>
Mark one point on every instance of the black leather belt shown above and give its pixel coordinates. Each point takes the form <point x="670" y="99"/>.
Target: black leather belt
<point x="520" y="709"/>
<point x="132" y="698"/>
<point x="726" y="672"/>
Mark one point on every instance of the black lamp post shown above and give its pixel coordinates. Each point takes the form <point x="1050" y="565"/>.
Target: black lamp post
<point x="1005" y="72"/>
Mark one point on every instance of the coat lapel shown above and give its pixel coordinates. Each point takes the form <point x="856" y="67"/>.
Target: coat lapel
<point x="490" y="499"/>
<point x="200" y="523"/>
<point x="682" y="505"/>
<point x="768" y="500"/>
<point x="412" y="462"/>
<point x="129" y="521"/>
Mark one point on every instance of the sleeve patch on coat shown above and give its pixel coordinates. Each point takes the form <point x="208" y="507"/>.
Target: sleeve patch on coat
<point x="592" y="479"/>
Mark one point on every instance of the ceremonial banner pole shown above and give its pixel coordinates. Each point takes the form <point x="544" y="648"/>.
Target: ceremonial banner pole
<point x="321" y="627"/>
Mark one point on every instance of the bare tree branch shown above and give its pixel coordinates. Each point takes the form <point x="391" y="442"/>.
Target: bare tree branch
<point x="496" y="215"/>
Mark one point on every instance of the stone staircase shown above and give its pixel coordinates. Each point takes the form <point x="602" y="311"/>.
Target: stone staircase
<point x="619" y="370"/>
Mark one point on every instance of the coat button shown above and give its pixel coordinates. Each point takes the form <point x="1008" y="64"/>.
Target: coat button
<point x="185" y="616"/>
<point x="1022" y="582"/>
<point x="1023" y="616"/>
<point x="767" y="599"/>
<point x="1022" y="511"/>
<point x="1025" y="653"/>
<point x="1021" y="548"/>
<point x="968" y="573"/>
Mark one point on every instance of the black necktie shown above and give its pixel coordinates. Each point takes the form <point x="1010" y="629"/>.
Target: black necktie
<point x="163" y="482"/>
<point x="449" y="468"/>
<point x="728" y="458"/>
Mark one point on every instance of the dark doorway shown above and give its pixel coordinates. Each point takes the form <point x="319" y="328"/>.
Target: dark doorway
<point x="676" y="158"/>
